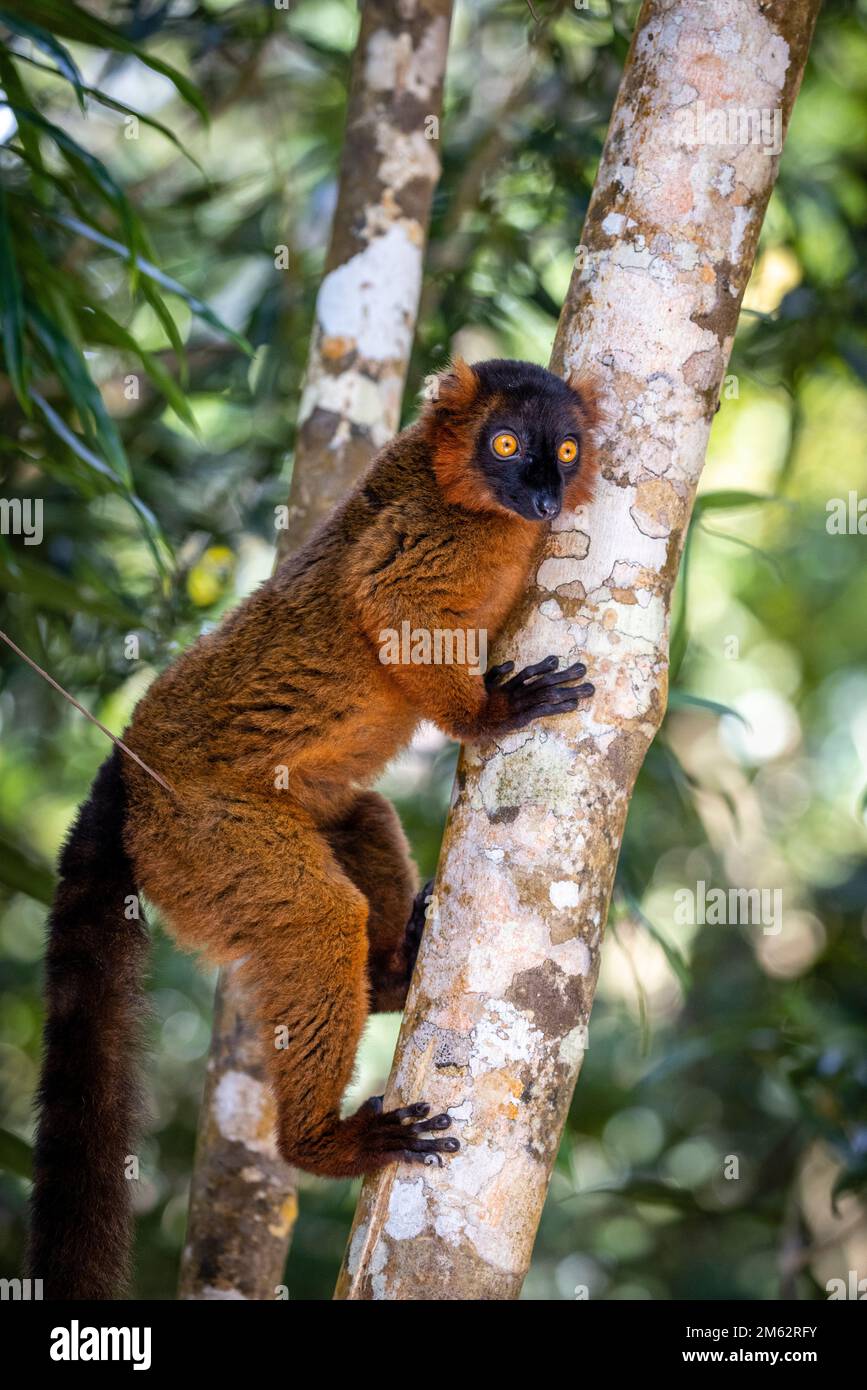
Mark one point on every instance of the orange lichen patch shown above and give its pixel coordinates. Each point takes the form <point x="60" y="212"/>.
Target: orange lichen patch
<point x="609" y="619"/>
<point x="501" y="1092"/>
<point x="712" y="78"/>
<point x="657" y="507"/>
<point x="334" y="348"/>
<point x="286" y="1217"/>
<point x="675" y="191"/>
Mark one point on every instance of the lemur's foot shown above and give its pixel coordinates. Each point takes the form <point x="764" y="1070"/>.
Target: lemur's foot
<point x="388" y="1139"/>
<point x="536" y="692"/>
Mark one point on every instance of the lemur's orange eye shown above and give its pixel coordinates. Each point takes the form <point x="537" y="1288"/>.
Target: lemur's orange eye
<point x="504" y="445"/>
<point x="568" y="451"/>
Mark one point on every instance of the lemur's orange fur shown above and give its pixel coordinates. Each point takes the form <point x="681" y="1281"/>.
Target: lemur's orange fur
<point x="274" y="852"/>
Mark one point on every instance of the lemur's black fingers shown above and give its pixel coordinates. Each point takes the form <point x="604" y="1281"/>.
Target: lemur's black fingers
<point x="564" y="706"/>
<point x="407" y="1112"/>
<point x="407" y="1156"/>
<point x="556" y="696"/>
<point x="431" y="1146"/>
<point x="571" y="673"/>
<point x="493" y="675"/>
<point x="435" y="1122"/>
<point x="540" y="669"/>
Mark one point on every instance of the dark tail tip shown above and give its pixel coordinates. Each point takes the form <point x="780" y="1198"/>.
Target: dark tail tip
<point x="89" y="1102"/>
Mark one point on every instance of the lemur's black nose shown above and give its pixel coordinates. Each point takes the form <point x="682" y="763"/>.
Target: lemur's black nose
<point x="546" y="505"/>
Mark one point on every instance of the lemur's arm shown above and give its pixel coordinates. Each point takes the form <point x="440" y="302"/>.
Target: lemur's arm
<point x="418" y="579"/>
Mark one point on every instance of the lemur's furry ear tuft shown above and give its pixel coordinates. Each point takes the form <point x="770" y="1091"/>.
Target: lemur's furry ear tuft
<point x="455" y="389"/>
<point x="588" y="389"/>
<point x="452" y="417"/>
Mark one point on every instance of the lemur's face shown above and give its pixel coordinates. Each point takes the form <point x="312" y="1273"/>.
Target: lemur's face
<point x="529" y="449"/>
<point x="514" y="437"/>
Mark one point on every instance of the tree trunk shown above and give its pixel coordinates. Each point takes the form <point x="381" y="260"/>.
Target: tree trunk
<point x="496" y="1023"/>
<point x="242" y="1204"/>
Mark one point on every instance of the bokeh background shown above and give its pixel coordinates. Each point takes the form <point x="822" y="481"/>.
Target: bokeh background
<point x="708" y="1043"/>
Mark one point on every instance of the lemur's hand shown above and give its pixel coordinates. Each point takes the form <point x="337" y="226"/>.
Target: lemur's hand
<point x="534" y="693"/>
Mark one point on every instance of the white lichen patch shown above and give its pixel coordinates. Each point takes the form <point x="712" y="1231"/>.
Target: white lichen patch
<point x="573" y="1046"/>
<point x="353" y="396"/>
<point x="503" y="1035"/>
<point x="393" y="65"/>
<point x="405" y="157"/>
<point x="356" y="1246"/>
<point x="242" y="1110"/>
<point x="557" y="571"/>
<point x="407" y="1209"/>
<point x="371" y="299"/>
<point x="564" y="894"/>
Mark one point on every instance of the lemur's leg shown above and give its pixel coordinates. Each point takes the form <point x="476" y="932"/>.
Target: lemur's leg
<point x="372" y="850"/>
<point x="268" y="890"/>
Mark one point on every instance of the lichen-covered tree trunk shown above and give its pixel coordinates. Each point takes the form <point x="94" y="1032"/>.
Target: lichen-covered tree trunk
<point x="496" y="1024"/>
<point x="242" y="1204"/>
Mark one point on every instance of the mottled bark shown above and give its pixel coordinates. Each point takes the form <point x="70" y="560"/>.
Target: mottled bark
<point x="239" y="1225"/>
<point x="243" y="1203"/>
<point x="368" y="301"/>
<point x="496" y="1024"/>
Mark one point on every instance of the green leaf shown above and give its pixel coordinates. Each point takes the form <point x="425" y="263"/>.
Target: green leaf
<point x="59" y="427"/>
<point x="96" y="174"/>
<point x="71" y="22"/>
<point x="158" y="276"/>
<point x="170" y="328"/>
<point x="675" y="958"/>
<point x="112" y="102"/>
<point x="16" y="1156"/>
<point x="640" y="992"/>
<point x="12" y="308"/>
<point x="679" y="699"/>
<point x="47" y="589"/>
<point x="15" y="93"/>
<point x="100" y="430"/>
<point x="769" y="559"/>
<point x="679" y="640"/>
<point x="100" y="327"/>
<point x="729" y="497"/>
<point x="151" y="530"/>
<point x="50" y="45"/>
<point x="22" y="874"/>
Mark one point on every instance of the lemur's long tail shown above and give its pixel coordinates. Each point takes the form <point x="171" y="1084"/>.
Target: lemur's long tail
<point x="89" y="1102"/>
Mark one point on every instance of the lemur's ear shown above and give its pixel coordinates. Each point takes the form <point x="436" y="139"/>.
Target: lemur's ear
<point x="588" y="390"/>
<point x="455" y="389"/>
<point x="453" y="414"/>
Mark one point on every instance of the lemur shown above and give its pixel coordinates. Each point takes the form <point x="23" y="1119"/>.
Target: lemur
<point x="262" y="842"/>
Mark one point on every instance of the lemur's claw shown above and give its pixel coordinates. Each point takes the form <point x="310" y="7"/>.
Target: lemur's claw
<point x="540" y="690"/>
<point x="395" y="1141"/>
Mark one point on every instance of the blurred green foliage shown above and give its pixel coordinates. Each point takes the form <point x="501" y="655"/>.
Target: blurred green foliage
<point x="160" y="446"/>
